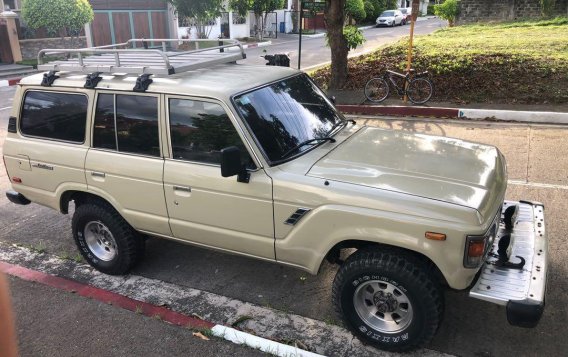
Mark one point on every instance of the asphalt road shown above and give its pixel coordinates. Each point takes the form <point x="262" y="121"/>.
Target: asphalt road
<point x="535" y="154"/>
<point x="315" y="52"/>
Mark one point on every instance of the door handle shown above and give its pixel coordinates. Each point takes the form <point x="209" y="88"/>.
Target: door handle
<point x="98" y="174"/>
<point x="182" y="188"/>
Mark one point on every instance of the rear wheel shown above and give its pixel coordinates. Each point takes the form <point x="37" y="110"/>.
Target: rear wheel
<point x="105" y="239"/>
<point x="419" y="90"/>
<point x="388" y="298"/>
<point x="377" y="90"/>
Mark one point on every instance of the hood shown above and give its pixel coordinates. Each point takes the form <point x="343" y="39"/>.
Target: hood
<point x="438" y="168"/>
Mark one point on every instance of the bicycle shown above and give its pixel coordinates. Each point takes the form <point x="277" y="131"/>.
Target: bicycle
<point x="417" y="86"/>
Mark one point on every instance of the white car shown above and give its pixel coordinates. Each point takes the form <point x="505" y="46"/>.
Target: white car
<point x="406" y="14"/>
<point x="390" y="18"/>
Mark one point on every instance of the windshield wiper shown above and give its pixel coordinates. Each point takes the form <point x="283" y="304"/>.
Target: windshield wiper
<point x="342" y="123"/>
<point x="304" y="143"/>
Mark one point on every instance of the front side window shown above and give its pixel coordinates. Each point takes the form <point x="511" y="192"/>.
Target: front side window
<point x="285" y="114"/>
<point x="127" y="123"/>
<point x="200" y="130"/>
<point x="59" y="116"/>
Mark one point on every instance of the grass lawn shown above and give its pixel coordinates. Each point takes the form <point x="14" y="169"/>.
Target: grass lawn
<point x="512" y="62"/>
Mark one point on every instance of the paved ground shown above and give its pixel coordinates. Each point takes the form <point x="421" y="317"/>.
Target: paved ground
<point x="315" y="52"/>
<point x="538" y="164"/>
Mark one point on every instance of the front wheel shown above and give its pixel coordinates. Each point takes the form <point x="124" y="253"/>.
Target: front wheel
<point x="419" y="90"/>
<point x="377" y="90"/>
<point x="388" y="299"/>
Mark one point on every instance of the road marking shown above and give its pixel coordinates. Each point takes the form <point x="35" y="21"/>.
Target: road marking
<point x="5" y="108"/>
<point x="537" y="184"/>
<point x="185" y="302"/>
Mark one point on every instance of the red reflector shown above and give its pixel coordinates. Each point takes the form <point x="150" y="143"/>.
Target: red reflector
<point x="16" y="180"/>
<point x="476" y="248"/>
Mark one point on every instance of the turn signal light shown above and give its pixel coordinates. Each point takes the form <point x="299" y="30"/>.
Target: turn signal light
<point x="435" y="236"/>
<point x="476" y="248"/>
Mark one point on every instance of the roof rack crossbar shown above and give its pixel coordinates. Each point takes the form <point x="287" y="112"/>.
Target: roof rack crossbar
<point x="129" y="58"/>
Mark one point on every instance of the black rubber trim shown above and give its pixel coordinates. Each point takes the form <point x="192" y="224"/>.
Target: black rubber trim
<point x="524" y="313"/>
<point x="12" y="127"/>
<point x="17" y="198"/>
<point x="534" y="203"/>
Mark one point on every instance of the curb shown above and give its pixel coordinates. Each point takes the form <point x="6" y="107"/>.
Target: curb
<point x="9" y="82"/>
<point x="175" y="318"/>
<point x="457" y="113"/>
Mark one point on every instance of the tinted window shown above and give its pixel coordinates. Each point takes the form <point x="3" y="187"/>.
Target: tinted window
<point x="199" y="131"/>
<point x="104" y="135"/>
<point x="135" y="129"/>
<point x="286" y="113"/>
<point x="387" y="14"/>
<point x="137" y="124"/>
<point x="59" y="116"/>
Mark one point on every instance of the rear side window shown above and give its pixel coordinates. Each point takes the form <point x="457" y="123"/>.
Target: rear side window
<point x="127" y="123"/>
<point x="58" y="116"/>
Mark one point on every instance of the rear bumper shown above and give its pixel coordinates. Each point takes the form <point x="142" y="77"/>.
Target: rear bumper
<point x="522" y="290"/>
<point x="17" y="198"/>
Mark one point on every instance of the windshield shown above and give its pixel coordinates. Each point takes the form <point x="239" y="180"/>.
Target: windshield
<point x="287" y="113"/>
<point x="387" y="14"/>
<point x="403" y="11"/>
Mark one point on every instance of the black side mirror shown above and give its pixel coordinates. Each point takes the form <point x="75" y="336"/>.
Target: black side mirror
<point x="231" y="164"/>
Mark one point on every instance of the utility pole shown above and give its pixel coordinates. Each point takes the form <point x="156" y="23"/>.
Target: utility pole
<point x="415" y="9"/>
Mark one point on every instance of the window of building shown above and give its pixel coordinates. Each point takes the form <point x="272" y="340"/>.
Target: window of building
<point x="58" y="116"/>
<point x="127" y="123"/>
<point x="200" y="130"/>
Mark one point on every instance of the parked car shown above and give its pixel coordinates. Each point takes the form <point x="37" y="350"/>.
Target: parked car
<point x="390" y="18"/>
<point x="406" y="14"/>
<point x="257" y="161"/>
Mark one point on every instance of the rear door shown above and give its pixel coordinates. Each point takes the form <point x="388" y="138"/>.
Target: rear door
<point x="46" y="155"/>
<point x="125" y="164"/>
<point x="204" y="207"/>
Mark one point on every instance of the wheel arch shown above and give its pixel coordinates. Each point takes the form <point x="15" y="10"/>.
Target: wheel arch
<point x="334" y="253"/>
<point x="80" y="197"/>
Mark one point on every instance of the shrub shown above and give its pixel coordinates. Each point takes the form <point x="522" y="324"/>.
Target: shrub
<point x="447" y="11"/>
<point x="354" y="36"/>
<point x="355" y="9"/>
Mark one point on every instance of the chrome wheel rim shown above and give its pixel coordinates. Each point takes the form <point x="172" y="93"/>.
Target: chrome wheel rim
<point x="383" y="306"/>
<point x="100" y="241"/>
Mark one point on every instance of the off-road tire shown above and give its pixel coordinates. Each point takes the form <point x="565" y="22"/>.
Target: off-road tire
<point x="409" y="275"/>
<point x="129" y="244"/>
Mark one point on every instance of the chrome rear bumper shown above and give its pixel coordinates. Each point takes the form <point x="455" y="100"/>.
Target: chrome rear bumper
<point x="522" y="290"/>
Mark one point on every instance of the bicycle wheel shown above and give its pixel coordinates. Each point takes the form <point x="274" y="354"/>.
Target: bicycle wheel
<point x="377" y="90"/>
<point x="419" y="90"/>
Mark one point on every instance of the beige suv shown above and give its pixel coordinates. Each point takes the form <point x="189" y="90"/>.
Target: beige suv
<point x="255" y="160"/>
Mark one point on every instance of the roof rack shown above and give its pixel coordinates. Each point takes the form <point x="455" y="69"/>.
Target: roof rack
<point x="135" y="57"/>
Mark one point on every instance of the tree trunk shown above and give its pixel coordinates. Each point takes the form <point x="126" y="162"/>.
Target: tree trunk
<point x="334" y="21"/>
<point x="295" y="16"/>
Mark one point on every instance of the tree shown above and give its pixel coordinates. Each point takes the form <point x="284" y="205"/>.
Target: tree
<point x="259" y="7"/>
<point x="547" y="7"/>
<point x="334" y="20"/>
<point x="56" y="15"/>
<point x="355" y="9"/>
<point x="447" y="11"/>
<point x="199" y="12"/>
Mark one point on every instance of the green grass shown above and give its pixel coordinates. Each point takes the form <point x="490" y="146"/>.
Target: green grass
<point x="509" y="62"/>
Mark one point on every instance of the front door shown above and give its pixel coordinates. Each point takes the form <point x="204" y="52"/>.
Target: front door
<point x="204" y="207"/>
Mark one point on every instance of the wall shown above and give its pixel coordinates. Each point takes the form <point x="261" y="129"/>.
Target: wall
<point x="489" y="10"/>
<point x="30" y="48"/>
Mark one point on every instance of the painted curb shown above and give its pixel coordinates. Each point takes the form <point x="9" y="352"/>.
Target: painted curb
<point x="150" y="310"/>
<point x="455" y="113"/>
<point x="9" y="82"/>
<point x="399" y="111"/>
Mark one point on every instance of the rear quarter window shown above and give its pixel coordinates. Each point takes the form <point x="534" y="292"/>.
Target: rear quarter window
<point x="56" y="116"/>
